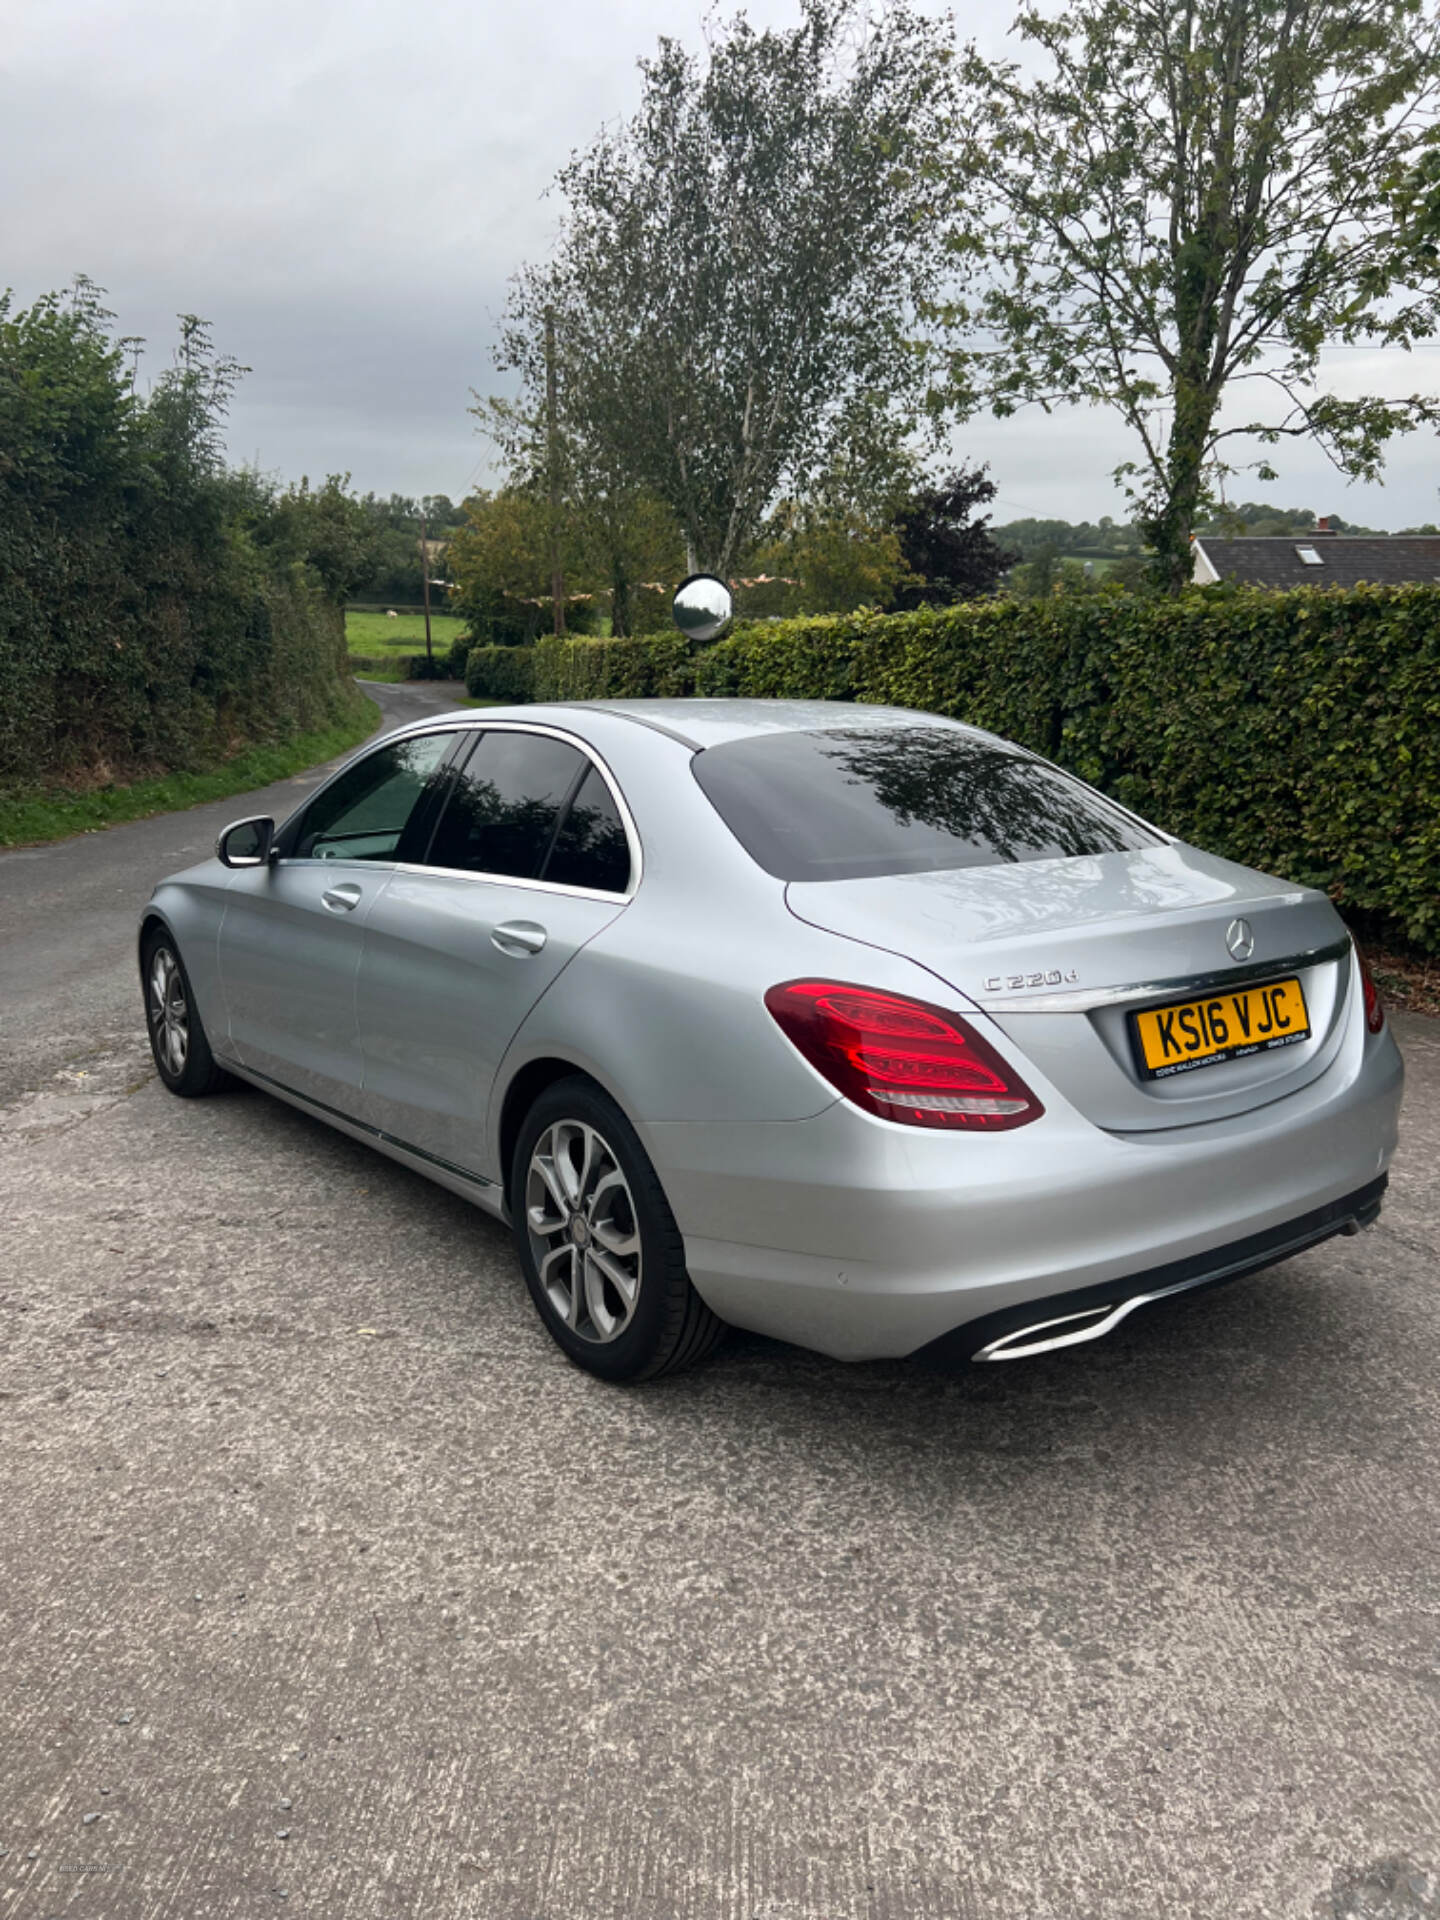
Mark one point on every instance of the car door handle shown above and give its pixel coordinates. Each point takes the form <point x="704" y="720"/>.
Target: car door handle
<point x="343" y="898"/>
<point x="518" y="938"/>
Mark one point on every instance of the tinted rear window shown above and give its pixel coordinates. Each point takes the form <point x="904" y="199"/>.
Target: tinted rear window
<point x="848" y="805"/>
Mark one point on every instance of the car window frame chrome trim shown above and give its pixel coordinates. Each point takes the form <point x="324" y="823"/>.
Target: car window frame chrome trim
<point x="509" y="880"/>
<point x="1181" y="986"/>
<point x="477" y="725"/>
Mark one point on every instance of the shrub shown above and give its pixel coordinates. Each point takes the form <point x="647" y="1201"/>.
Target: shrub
<point x="447" y="663"/>
<point x="501" y="673"/>
<point x="1297" y="732"/>
<point x="425" y="666"/>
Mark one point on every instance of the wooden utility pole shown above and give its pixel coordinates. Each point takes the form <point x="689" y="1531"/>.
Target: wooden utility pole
<point x="425" y="581"/>
<point x="552" y="462"/>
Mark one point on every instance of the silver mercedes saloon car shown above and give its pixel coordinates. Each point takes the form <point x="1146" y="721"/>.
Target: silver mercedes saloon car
<point x="854" y="1026"/>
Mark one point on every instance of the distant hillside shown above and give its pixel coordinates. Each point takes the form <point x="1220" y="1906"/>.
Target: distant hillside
<point x="1108" y="539"/>
<point x="1256" y="520"/>
<point x="1085" y="540"/>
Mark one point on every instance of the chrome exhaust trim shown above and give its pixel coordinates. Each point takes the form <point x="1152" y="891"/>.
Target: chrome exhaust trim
<point x="1095" y="1323"/>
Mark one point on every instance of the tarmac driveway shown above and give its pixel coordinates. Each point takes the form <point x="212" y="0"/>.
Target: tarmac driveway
<point x="327" y="1587"/>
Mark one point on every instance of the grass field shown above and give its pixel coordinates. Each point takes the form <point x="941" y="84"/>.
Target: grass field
<point x="375" y="634"/>
<point x="32" y="814"/>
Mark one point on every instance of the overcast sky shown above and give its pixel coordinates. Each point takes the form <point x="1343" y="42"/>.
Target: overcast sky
<point x="344" y="189"/>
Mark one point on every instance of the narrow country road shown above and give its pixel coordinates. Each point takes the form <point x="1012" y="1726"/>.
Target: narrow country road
<point x="68" y="912"/>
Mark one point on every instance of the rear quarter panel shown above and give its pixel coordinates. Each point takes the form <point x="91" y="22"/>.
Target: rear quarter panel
<point x="665" y="1008"/>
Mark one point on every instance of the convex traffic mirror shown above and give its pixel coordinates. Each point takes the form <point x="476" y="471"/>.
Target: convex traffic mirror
<point x="703" y="607"/>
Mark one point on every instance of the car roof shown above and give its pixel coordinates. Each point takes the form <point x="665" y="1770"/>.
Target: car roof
<point x="712" y="723"/>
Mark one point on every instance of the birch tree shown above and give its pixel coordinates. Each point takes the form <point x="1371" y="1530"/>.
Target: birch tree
<point x="740" y="264"/>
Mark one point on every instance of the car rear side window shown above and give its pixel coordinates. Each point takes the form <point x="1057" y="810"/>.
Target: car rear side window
<point x="590" y="849"/>
<point x="851" y="804"/>
<point x="505" y="804"/>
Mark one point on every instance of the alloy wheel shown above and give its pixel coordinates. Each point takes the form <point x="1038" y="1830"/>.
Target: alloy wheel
<point x="584" y="1234"/>
<point x="169" y="1012"/>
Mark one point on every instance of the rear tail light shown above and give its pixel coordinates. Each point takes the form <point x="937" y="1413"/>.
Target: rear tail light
<point x="1374" y="1005"/>
<point x="902" y="1059"/>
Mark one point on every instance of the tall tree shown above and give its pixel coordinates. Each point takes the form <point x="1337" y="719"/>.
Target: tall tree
<point x="739" y="264"/>
<point x="326" y="528"/>
<point x="1195" y="199"/>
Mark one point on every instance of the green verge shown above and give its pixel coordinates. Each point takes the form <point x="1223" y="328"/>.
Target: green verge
<point x="385" y="672"/>
<point x="33" y="814"/>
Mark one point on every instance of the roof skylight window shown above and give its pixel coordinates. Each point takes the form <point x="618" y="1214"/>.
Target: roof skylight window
<point x="1310" y="556"/>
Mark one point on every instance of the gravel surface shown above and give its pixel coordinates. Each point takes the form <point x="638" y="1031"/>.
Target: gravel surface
<point x="328" y="1588"/>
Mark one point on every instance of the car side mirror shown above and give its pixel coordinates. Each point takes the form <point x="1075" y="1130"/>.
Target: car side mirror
<point x="247" y="843"/>
<point x="703" y="607"/>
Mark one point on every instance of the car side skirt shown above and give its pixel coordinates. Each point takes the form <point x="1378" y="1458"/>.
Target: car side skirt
<point x="485" y="1194"/>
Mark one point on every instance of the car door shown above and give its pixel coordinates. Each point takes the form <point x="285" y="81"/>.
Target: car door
<point x="292" y="932"/>
<point x="530" y="859"/>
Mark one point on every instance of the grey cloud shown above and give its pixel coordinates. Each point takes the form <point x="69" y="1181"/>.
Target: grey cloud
<point x="343" y="191"/>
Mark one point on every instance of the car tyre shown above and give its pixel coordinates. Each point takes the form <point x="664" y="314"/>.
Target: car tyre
<point x="177" y="1035"/>
<point x="598" y="1244"/>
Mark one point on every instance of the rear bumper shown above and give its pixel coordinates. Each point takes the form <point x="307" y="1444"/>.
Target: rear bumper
<point x="1069" y="1319"/>
<point x="867" y="1240"/>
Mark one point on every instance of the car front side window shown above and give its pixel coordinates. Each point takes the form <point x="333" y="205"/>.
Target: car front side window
<point x="364" y="814"/>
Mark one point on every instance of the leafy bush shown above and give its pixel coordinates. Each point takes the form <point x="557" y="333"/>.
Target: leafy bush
<point x="1297" y="732"/>
<point x="428" y="666"/>
<point x="446" y="663"/>
<point x="501" y="673"/>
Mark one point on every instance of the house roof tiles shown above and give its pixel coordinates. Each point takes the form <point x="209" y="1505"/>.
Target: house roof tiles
<point x="1344" y="560"/>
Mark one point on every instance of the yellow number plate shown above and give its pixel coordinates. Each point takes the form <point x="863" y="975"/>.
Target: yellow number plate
<point x="1225" y="1026"/>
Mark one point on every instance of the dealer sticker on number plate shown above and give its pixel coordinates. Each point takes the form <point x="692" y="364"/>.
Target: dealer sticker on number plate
<point x="1225" y="1026"/>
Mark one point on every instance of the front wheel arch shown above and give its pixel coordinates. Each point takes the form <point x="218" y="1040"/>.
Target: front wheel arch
<point x="152" y="924"/>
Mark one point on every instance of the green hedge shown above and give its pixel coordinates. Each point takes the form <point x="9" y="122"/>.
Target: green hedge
<point x="101" y="679"/>
<point x="646" y="666"/>
<point x="501" y="673"/>
<point x="156" y="612"/>
<point x="1297" y="732"/>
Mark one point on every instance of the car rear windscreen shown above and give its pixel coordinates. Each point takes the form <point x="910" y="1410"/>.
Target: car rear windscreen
<point x="852" y="804"/>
